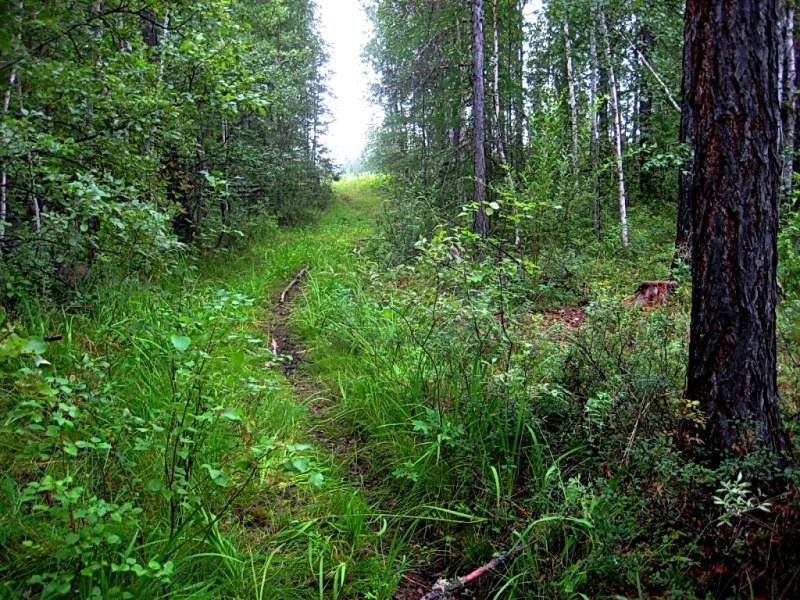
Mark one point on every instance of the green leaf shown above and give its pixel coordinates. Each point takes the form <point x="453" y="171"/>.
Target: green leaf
<point x="181" y="342"/>
<point x="237" y="359"/>
<point x="316" y="479"/>
<point x="35" y="346"/>
<point x="231" y="413"/>
<point x="155" y="485"/>
<point x="298" y="465"/>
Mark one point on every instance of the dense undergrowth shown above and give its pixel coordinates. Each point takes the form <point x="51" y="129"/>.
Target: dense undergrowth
<point x="513" y="391"/>
<point x="471" y="398"/>
<point x="154" y="449"/>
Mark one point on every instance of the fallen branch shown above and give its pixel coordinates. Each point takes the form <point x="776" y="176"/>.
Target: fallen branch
<point x="445" y="588"/>
<point x="292" y="283"/>
<point x="650" y="68"/>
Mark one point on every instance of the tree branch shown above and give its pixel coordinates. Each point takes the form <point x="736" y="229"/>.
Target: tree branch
<point x="121" y="8"/>
<point x="649" y="67"/>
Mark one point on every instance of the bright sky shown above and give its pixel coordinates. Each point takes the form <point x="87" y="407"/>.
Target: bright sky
<point x="346" y="29"/>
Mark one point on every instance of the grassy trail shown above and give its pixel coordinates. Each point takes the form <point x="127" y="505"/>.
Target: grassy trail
<point x="209" y="448"/>
<point x="330" y="542"/>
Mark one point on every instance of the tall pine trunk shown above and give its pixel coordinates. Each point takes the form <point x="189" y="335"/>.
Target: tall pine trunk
<point x="733" y="54"/>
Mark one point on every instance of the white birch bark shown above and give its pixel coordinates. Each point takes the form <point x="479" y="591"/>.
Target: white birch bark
<point x="623" y="201"/>
<point x="6" y="105"/>
<point x="573" y="103"/>
<point x="595" y="136"/>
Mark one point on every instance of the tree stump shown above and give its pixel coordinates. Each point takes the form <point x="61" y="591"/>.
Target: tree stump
<point x="653" y="293"/>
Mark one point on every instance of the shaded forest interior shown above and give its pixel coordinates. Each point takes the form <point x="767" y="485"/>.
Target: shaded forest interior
<point x="550" y="321"/>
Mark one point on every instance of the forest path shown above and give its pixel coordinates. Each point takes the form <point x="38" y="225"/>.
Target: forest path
<point x="319" y="371"/>
<point x="329" y="247"/>
<point x="332" y="540"/>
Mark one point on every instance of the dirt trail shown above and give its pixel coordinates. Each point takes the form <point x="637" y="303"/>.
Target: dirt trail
<point x="308" y="389"/>
<point x="293" y="359"/>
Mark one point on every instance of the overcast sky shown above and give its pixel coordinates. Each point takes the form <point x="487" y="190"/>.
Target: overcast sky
<point x="346" y="29"/>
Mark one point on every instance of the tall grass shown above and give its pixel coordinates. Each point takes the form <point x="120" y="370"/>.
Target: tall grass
<point x="160" y="456"/>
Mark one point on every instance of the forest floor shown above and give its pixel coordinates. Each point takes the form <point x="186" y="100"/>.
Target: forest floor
<point x="379" y="430"/>
<point x="329" y="251"/>
<point x="332" y="247"/>
<point x="357" y="548"/>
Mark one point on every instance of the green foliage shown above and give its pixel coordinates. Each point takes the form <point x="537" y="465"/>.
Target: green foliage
<point x="132" y="130"/>
<point x="120" y="466"/>
<point x="467" y="393"/>
<point x="153" y="449"/>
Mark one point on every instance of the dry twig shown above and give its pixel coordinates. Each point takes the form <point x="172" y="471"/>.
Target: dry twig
<point x="293" y="283"/>
<point x="445" y="588"/>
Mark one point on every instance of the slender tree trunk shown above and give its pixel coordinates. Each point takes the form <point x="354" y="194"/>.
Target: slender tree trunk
<point x="501" y="139"/>
<point x="644" y="116"/>
<point x="683" y="236"/>
<point x="623" y="200"/>
<point x="35" y="207"/>
<point x="796" y="132"/>
<point x="4" y="175"/>
<point x="595" y="136"/>
<point x="735" y="188"/>
<point x="481" y="226"/>
<point x="516" y="48"/>
<point x="12" y="78"/>
<point x="573" y="103"/>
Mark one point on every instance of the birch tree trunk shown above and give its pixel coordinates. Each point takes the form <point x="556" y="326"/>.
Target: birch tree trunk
<point x="595" y="136"/>
<point x="12" y="78"/>
<point x="623" y="201"/>
<point x="4" y="175"/>
<point x="480" y="225"/>
<point x="573" y="103"/>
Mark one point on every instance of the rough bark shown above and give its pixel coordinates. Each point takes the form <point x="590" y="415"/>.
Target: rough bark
<point x="480" y="225"/>
<point x="733" y="53"/>
<point x="623" y="199"/>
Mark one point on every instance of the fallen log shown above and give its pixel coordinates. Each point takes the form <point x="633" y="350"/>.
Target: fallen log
<point x="292" y="283"/>
<point x="445" y="588"/>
